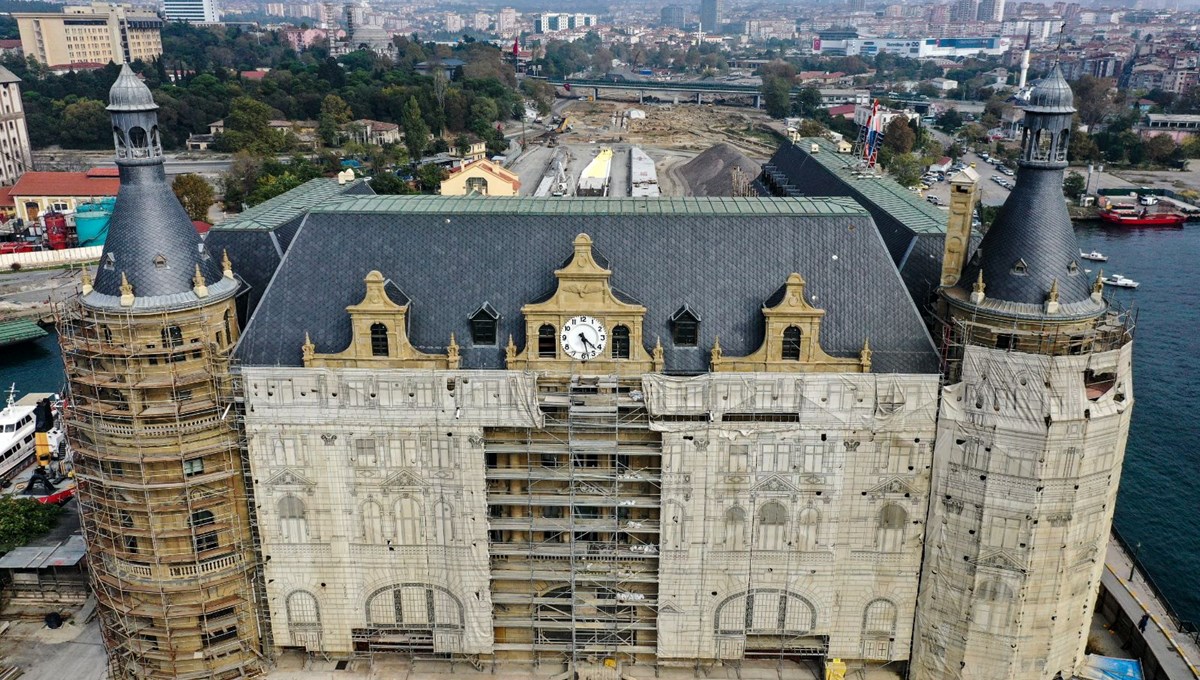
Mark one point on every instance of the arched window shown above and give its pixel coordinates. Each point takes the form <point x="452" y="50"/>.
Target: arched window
<point x="138" y="142"/>
<point x="304" y="619"/>
<point x="547" y="342"/>
<point x="119" y="140"/>
<point x="791" y="344"/>
<point x="205" y="541"/>
<point x="674" y="532"/>
<point x="372" y="523"/>
<point x="772" y="527"/>
<point x="889" y="536"/>
<point x="808" y="529"/>
<point x="735" y="529"/>
<point x="620" y="342"/>
<point x="445" y="523"/>
<point x="201" y="518"/>
<point x="993" y="600"/>
<point x="477" y="186"/>
<point x="410" y="523"/>
<point x="379" y="340"/>
<point x="155" y="145"/>
<point x="228" y="327"/>
<point x="879" y="629"/>
<point x="765" y="611"/>
<point x="293" y="525"/>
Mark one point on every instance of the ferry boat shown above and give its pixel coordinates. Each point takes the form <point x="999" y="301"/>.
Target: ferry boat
<point x="1094" y="256"/>
<point x="1127" y="216"/>
<point x="35" y="461"/>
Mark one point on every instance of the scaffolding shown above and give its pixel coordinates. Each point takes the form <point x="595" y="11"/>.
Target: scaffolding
<point x="162" y="489"/>
<point x="574" y="527"/>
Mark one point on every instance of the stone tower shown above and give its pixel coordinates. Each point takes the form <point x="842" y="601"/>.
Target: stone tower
<point x="1031" y="435"/>
<point x="162" y="494"/>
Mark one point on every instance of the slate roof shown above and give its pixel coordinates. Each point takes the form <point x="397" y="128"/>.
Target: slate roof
<point x="913" y="230"/>
<point x="1051" y="94"/>
<point x="257" y="238"/>
<point x="723" y="257"/>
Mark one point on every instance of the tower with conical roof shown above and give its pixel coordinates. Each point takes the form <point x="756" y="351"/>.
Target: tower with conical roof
<point x="153" y="423"/>
<point x="1031" y="434"/>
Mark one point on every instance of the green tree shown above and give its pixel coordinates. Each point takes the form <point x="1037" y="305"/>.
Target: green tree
<point x="335" y="113"/>
<point x="1073" y="185"/>
<point x="776" y="95"/>
<point x="1160" y="148"/>
<point x="195" y="194"/>
<point x="389" y="183"/>
<point x="1081" y="148"/>
<point x="808" y="101"/>
<point x="950" y="120"/>
<point x="430" y="176"/>
<point x="86" y="124"/>
<point x="24" y="519"/>
<point x="416" y="132"/>
<point x="905" y="169"/>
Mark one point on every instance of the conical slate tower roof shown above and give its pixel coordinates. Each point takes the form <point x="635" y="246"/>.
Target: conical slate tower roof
<point x="151" y="241"/>
<point x="1031" y="247"/>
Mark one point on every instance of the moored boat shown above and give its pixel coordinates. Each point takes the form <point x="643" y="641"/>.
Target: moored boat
<point x="1120" y="281"/>
<point x="35" y="461"/>
<point x="1142" y="219"/>
<point x="1094" y="256"/>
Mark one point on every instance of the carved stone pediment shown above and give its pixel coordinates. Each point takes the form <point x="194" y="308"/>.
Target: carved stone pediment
<point x="403" y="480"/>
<point x="999" y="559"/>
<point x="287" y="477"/>
<point x="775" y="484"/>
<point x="893" y="486"/>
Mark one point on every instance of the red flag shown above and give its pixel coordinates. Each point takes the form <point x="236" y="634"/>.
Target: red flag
<point x="567" y="87"/>
<point x="516" y="47"/>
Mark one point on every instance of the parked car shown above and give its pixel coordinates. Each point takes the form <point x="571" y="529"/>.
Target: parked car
<point x="934" y="200"/>
<point x="1148" y="199"/>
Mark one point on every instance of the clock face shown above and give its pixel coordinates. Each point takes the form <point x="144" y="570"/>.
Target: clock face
<point x="583" y="337"/>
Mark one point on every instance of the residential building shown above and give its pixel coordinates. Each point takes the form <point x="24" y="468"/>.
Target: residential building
<point x="454" y="22"/>
<point x="193" y="11"/>
<point x="379" y="133"/>
<point x="551" y="23"/>
<point x="506" y="22"/>
<point x="480" y="178"/>
<point x="673" y="16"/>
<point x="990" y="10"/>
<point x="15" y="156"/>
<point x="96" y="33"/>
<point x="36" y="193"/>
<point x="1178" y="126"/>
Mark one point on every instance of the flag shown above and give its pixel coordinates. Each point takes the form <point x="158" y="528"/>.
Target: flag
<point x="874" y="134"/>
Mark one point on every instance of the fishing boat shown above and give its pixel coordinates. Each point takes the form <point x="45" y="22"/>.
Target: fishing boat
<point x="35" y="461"/>
<point x="1120" y="281"/>
<point x="1142" y="218"/>
<point x="1094" y="256"/>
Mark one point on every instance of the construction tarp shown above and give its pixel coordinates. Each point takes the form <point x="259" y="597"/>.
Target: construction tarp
<point x="1097" y="667"/>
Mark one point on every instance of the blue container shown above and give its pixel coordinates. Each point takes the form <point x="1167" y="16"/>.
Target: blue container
<point x="91" y="222"/>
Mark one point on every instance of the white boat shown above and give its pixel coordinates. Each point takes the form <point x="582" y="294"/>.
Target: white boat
<point x="19" y="423"/>
<point x="1120" y="281"/>
<point x="1094" y="256"/>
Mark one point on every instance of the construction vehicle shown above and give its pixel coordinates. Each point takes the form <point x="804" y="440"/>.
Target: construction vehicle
<point x="563" y="126"/>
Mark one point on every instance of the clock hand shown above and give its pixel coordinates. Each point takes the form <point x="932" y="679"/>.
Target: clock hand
<point x="585" y="340"/>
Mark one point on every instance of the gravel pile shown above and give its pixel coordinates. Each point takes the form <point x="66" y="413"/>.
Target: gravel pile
<point x="711" y="173"/>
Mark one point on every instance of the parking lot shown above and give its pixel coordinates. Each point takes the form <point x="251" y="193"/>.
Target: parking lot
<point x="991" y="193"/>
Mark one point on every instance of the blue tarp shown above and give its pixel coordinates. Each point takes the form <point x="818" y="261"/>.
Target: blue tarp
<point x="1098" y="667"/>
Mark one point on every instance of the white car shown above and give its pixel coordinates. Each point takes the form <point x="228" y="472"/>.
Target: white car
<point x="1148" y="199"/>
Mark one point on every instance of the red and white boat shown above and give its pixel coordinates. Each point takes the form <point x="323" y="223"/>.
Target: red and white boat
<point x="1130" y="216"/>
<point x="35" y="461"/>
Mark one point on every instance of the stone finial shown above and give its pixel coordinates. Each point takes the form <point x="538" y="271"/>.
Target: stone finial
<point x="656" y="354"/>
<point x="1052" y="306"/>
<point x="198" y="286"/>
<point x="864" y="357"/>
<point x="308" y="350"/>
<point x="510" y="353"/>
<point x="86" y="281"/>
<point x="1098" y="287"/>
<point x="977" y="289"/>
<point x="717" y="352"/>
<point x="453" y="358"/>
<point x="126" y="291"/>
<point x="226" y="265"/>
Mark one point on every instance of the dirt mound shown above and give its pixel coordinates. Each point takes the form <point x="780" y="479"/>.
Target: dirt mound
<point x="712" y="172"/>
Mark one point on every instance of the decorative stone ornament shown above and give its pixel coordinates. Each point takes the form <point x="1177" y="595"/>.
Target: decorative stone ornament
<point x="198" y="286"/>
<point x="977" y="295"/>
<point x="1052" y="305"/>
<point x="126" y="292"/>
<point x="226" y="264"/>
<point x="1098" y="287"/>
<point x="86" y="282"/>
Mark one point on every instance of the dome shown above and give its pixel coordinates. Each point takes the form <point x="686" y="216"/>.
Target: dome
<point x="1052" y="94"/>
<point x="370" y="35"/>
<point x="129" y="93"/>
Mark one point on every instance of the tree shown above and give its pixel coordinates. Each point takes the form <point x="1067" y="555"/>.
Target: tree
<point x="808" y="101"/>
<point x="389" y="183"/>
<point x="1074" y="185"/>
<point x="898" y="136"/>
<point x="86" y="124"/>
<point x="1093" y="99"/>
<point x="335" y="113"/>
<point x="1159" y="149"/>
<point x="905" y="169"/>
<point x="430" y="176"/>
<point x="195" y="194"/>
<point x="950" y="120"/>
<point x="1082" y="148"/>
<point x="24" y="519"/>
<point x="776" y="94"/>
<point x="810" y="128"/>
<point x="416" y="132"/>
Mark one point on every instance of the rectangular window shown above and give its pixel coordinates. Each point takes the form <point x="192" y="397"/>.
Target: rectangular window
<point x="364" y="452"/>
<point x="813" y="458"/>
<point x="193" y="467"/>
<point x="738" y="457"/>
<point x="208" y="541"/>
<point x="131" y="544"/>
<point x="483" y="331"/>
<point x="774" y="458"/>
<point x="1006" y="341"/>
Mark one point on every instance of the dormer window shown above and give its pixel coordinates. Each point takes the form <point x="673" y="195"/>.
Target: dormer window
<point x="1020" y="267"/>
<point x="791" y="344"/>
<point x="379" y="340"/>
<point x="620" y="342"/>
<point x="1073" y="268"/>
<point x="547" y="342"/>
<point x="110" y="261"/>
<point x="160" y="261"/>
<point x="685" y="327"/>
<point x="483" y="325"/>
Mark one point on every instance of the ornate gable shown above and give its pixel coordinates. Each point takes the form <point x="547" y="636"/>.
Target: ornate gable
<point x="287" y="477"/>
<point x="893" y="486"/>
<point x="379" y="336"/>
<point x="792" y="341"/>
<point x="403" y="480"/>
<point x="999" y="559"/>
<point x="775" y="485"/>
<point x="584" y="289"/>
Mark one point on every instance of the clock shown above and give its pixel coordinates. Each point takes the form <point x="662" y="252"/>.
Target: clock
<point x="583" y="337"/>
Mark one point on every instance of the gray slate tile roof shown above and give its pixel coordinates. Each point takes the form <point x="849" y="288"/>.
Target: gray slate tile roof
<point x="913" y="230"/>
<point x="721" y="257"/>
